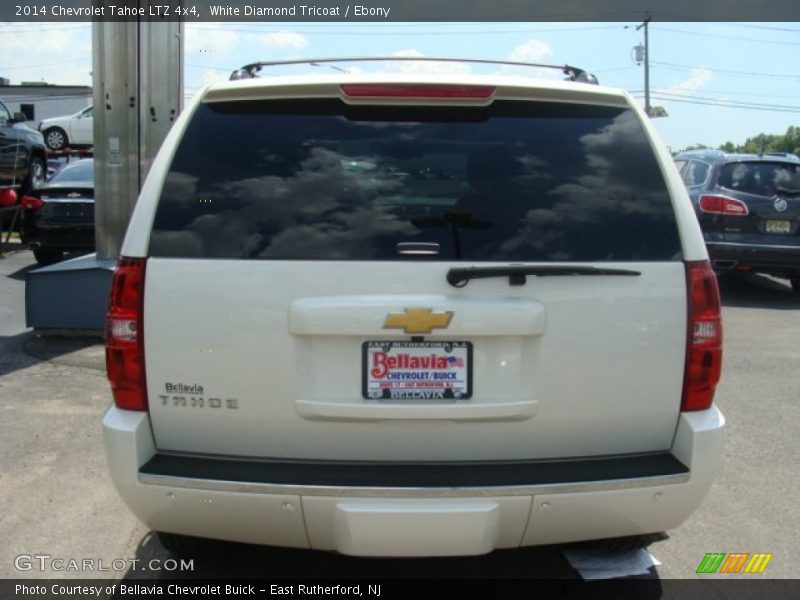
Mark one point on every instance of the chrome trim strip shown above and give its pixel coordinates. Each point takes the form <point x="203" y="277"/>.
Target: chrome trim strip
<point x="755" y="246"/>
<point x="215" y="485"/>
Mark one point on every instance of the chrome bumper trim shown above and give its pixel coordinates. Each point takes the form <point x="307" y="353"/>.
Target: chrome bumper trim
<point x="754" y="246"/>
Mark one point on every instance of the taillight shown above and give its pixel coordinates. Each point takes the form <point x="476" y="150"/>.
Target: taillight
<point x="402" y="90"/>
<point x="723" y="205"/>
<point x="704" y="337"/>
<point x="8" y="197"/>
<point x="31" y="203"/>
<point x="124" y="335"/>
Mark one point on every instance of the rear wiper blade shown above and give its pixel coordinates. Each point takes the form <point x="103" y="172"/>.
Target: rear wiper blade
<point x="517" y="274"/>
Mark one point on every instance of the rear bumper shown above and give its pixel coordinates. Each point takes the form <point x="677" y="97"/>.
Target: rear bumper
<point x="773" y="258"/>
<point x="412" y="510"/>
<point x="78" y="237"/>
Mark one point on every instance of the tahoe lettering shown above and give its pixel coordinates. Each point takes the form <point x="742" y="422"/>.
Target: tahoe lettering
<point x="198" y="402"/>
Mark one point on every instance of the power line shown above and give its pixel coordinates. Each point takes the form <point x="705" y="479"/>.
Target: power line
<point x="472" y="24"/>
<point x="664" y="17"/>
<point x="713" y="92"/>
<point x="47" y="24"/>
<point x="725" y="104"/>
<point x="22" y="98"/>
<point x="726" y="37"/>
<point x="759" y="74"/>
<point x="767" y="27"/>
<point x="614" y="69"/>
<point x="760" y="104"/>
<point x="377" y="33"/>
<point x="16" y="29"/>
<point x="49" y="64"/>
<point x="210" y="68"/>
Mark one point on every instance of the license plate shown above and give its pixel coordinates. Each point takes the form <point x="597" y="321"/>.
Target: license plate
<point x="778" y="226"/>
<point x="416" y="370"/>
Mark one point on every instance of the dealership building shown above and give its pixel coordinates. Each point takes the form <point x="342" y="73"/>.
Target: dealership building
<point x="39" y="100"/>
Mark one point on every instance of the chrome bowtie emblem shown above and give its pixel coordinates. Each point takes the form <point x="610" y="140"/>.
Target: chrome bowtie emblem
<point x="780" y="204"/>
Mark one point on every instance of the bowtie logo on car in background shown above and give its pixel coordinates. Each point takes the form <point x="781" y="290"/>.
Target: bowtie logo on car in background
<point x="780" y="204"/>
<point x="418" y="320"/>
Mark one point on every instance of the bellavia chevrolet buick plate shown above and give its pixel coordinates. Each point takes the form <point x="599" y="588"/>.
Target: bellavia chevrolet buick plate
<point x="412" y="315"/>
<point x="417" y="370"/>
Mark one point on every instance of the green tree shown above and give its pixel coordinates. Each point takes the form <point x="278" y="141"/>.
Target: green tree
<point x="767" y="142"/>
<point x="694" y="147"/>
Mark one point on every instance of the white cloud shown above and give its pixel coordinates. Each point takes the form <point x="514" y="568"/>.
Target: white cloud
<point x="285" y="38"/>
<point x="46" y="52"/>
<point x="438" y="68"/>
<point x="698" y="78"/>
<point x="534" y="51"/>
<point x="209" y="77"/>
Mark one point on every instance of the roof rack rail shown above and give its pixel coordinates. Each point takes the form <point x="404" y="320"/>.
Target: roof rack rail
<point x="250" y="71"/>
<point x="789" y="155"/>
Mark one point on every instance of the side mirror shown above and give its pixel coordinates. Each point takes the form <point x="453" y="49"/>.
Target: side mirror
<point x="19" y="118"/>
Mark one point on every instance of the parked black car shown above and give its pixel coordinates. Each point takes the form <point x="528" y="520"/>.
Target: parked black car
<point x="749" y="209"/>
<point x="58" y="216"/>
<point x="22" y="153"/>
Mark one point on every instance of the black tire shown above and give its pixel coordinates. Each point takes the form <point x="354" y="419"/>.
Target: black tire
<point x="37" y="172"/>
<point x="186" y="546"/>
<point x="795" y="285"/>
<point x="55" y="138"/>
<point x="47" y="256"/>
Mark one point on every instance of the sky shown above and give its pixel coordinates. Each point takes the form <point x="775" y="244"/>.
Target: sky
<point x="717" y="81"/>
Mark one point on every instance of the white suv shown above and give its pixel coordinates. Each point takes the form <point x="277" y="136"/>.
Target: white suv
<point x="412" y="315"/>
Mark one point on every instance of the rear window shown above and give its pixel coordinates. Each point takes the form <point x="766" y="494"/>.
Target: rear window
<point x="515" y="181"/>
<point x="696" y="173"/>
<point x="761" y="178"/>
<point x="80" y="172"/>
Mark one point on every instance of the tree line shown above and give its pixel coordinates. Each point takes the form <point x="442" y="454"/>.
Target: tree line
<point x="763" y="142"/>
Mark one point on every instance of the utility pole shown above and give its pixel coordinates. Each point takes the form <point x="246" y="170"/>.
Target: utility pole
<point x="644" y="24"/>
<point x="137" y="77"/>
<point x="138" y="94"/>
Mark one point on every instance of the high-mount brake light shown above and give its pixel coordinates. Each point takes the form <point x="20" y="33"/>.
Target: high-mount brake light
<point x="704" y="337"/>
<point x="723" y="205"/>
<point x="401" y="90"/>
<point x="124" y="335"/>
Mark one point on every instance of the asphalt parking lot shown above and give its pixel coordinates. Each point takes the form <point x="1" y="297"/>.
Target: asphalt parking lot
<point x="58" y="500"/>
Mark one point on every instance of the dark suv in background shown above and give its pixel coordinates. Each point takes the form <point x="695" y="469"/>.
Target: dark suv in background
<point x="22" y="153"/>
<point x="748" y="206"/>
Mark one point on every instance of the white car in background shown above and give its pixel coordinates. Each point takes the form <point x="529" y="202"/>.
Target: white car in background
<point x="72" y="130"/>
